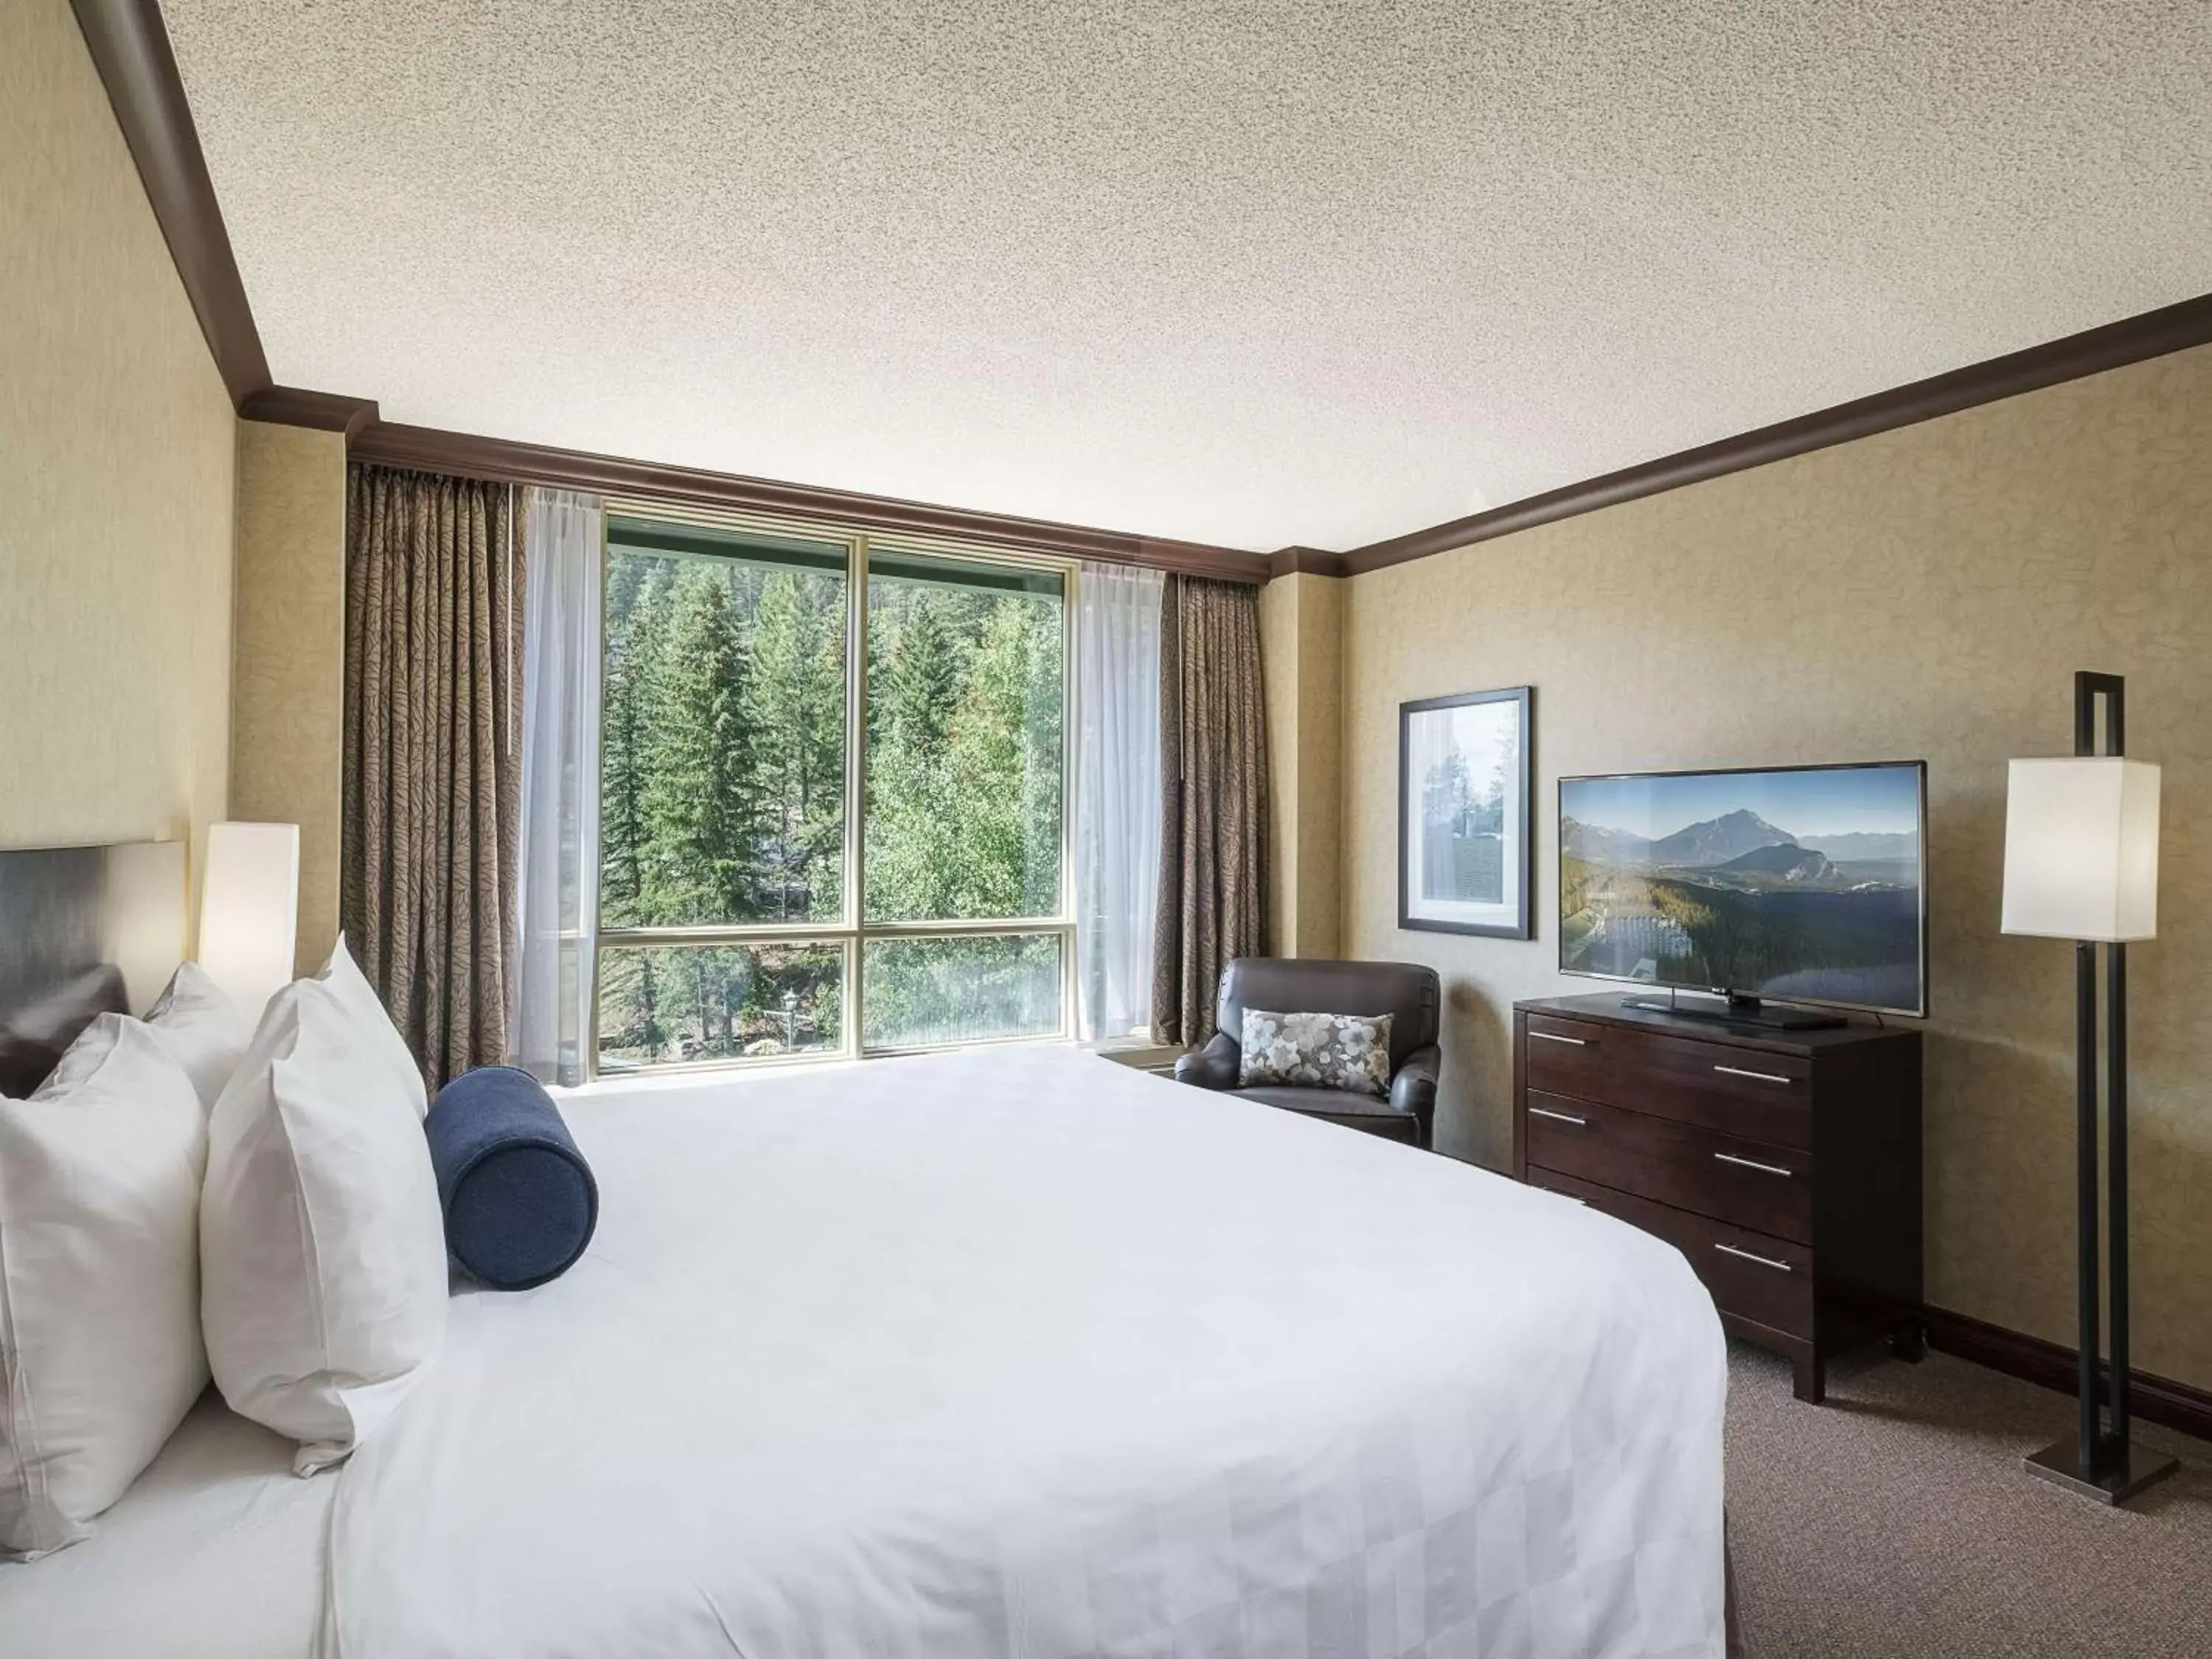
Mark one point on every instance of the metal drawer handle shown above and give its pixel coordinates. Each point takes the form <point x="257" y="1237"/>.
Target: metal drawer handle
<point x="1763" y="1261"/>
<point x="1559" y="1117"/>
<point x="1752" y="1164"/>
<point x="1553" y="1036"/>
<point x="1764" y="1076"/>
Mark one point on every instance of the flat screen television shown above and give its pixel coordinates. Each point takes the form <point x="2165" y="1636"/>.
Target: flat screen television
<point x="1801" y="884"/>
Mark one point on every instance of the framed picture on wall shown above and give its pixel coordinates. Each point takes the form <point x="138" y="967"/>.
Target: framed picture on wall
<point x="1465" y="851"/>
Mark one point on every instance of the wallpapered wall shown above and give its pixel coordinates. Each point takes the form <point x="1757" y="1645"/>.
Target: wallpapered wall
<point x="287" y="717"/>
<point x="116" y="465"/>
<point x="1925" y="593"/>
<point x="1302" y="671"/>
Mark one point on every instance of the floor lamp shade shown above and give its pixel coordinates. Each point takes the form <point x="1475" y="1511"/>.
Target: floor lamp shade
<point x="250" y="910"/>
<point x="2081" y="849"/>
<point x="2081" y="864"/>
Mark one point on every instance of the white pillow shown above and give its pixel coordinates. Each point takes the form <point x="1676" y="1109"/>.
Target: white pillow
<point x="378" y="1034"/>
<point x="100" y="1328"/>
<point x="205" y="1031"/>
<point x="322" y="1247"/>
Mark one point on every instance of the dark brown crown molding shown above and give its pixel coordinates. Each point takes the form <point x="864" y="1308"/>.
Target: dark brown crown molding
<point x="325" y="411"/>
<point x="428" y="450"/>
<point x="2153" y="334"/>
<point x="130" y="47"/>
<point x="2050" y="1365"/>
<point x="1305" y="561"/>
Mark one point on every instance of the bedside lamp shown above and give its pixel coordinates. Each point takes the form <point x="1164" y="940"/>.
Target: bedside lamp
<point x="2081" y="863"/>
<point x="250" y="910"/>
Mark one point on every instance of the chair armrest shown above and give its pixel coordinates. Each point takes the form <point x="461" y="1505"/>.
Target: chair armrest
<point x="1414" y="1089"/>
<point x="1213" y="1067"/>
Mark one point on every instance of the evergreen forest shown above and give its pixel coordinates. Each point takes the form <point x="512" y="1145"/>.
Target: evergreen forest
<point x="723" y="790"/>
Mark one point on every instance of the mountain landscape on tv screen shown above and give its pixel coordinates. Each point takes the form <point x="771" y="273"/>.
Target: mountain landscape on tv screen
<point x="1735" y="902"/>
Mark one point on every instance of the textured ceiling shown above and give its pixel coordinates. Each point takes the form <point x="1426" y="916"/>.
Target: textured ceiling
<point x="1251" y="273"/>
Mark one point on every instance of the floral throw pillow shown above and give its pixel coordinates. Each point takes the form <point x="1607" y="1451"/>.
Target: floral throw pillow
<point x="1316" y="1051"/>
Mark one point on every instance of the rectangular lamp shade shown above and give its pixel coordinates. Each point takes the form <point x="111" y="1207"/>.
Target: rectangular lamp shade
<point x="2081" y="849"/>
<point x="250" y="910"/>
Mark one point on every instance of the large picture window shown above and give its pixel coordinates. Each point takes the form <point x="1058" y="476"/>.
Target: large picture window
<point x="764" y="692"/>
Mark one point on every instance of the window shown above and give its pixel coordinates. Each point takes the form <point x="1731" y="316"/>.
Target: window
<point x="764" y="691"/>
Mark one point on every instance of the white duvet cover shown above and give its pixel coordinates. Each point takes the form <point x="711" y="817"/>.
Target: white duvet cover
<point x="1022" y="1352"/>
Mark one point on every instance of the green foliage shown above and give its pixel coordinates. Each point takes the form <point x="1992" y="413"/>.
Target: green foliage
<point x="1727" y="936"/>
<point x="702" y="795"/>
<point x="722" y="799"/>
<point x="662" y="1002"/>
<point x="914" y="710"/>
<point x="964" y="761"/>
<point x="627" y="694"/>
<point x="798" y="699"/>
<point x="631" y="984"/>
<point x="923" y="991"/>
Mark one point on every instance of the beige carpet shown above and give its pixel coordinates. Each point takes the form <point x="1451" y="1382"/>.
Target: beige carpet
<point x="1896" y="1521"/>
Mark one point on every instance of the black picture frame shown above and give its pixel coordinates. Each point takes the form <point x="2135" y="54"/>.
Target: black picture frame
<point x="1520" y="810"/>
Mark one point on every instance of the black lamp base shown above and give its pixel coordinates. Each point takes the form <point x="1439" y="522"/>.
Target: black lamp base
<point x="2122" y="1472"/>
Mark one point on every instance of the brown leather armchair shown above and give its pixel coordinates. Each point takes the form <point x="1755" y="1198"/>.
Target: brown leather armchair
<point x="1404" y="990"/>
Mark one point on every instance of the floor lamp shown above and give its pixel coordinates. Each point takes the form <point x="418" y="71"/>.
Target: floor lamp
<point x="2081" y="863"/>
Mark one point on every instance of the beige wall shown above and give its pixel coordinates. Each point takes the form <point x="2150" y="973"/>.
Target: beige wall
<point x="1302" y="665"/>
<point x="286" y="718"/>
<point x="1924" y="594"/>
<point x="116" y="442"/>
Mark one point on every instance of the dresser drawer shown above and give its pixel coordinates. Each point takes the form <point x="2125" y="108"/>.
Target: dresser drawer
<point x="1742" y="1092"/>
<point x="1768" y="1189"/>
<point x="1752" y="1275"/>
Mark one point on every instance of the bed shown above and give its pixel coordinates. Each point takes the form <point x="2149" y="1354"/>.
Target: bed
<point x="217" y="1553"/>
<point x="1015" y="1352"/>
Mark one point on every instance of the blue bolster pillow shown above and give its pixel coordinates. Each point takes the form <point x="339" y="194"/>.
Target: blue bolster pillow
<point x="519" y="1199"/>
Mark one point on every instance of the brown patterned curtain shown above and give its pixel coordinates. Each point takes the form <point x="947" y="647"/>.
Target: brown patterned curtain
<point x="432" y="754"/>
<point x="1213" y="799"/>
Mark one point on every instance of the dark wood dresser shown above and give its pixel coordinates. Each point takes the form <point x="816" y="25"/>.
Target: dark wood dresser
<point x="1785" y="1165"/>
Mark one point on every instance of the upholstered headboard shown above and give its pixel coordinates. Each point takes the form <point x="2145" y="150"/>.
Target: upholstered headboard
<point x="82" y="930"/>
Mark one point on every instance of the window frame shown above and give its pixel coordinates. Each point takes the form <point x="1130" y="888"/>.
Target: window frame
<point x="852" y="931"/>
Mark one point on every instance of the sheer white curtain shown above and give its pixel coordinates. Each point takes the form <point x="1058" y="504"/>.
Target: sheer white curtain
<point x="1117" y="795"/>
<point x="556" y="896"/>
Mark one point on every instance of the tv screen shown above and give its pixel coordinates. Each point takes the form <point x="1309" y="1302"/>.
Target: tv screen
<point x="1801" y="884"/>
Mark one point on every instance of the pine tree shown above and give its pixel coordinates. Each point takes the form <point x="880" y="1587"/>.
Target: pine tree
<point x="988" y="757"/>
<point x="723" y="789"/>
<point x="628" y="699"/>
<point x="630" y="576"/>
<point x="702" y="795"/>
<point x="798" y="712"/>
<point x="912" y="826"/>
<point x="629" y="981"/>
<point x="924" y="682"/>
<point x="630" y="1002"/>
<point x="1042" y="790"/>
